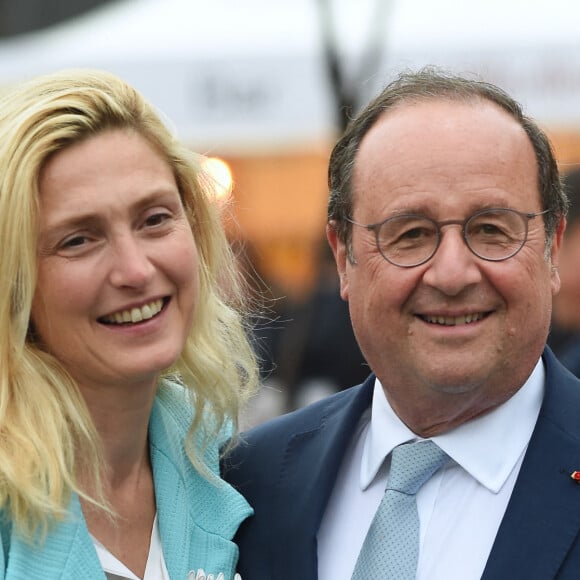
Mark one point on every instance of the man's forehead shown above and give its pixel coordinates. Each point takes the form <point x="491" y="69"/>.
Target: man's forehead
<point x="443" y="109"/>
<point x="430" y="134"/>
<point x="436" y="145"/>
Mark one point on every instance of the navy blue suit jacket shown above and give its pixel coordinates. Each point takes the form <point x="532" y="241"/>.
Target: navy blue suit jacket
<point x="287" y="467"/>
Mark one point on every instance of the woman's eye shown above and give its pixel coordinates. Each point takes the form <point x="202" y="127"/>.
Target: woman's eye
<point x="156" y="219"/>
<point x="74" y="245"/>
<point x="74" y="242"/>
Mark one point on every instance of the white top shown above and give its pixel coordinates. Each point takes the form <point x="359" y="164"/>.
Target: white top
<point x="460" y="507"/>
<point x="116" y="570"/>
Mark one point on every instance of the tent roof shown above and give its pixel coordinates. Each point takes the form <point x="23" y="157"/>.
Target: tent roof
<point x="234" y="74"/>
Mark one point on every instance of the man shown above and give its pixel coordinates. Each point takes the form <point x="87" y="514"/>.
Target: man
<point x="446" y="217"/>
<point x="564" y="338"/>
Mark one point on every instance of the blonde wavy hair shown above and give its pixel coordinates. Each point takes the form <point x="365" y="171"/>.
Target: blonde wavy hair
<point x="47" y="436"/>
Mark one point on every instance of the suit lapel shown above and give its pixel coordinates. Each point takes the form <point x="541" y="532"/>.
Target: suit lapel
<point x="318" y="448"/>
<point x="542" y="519"/>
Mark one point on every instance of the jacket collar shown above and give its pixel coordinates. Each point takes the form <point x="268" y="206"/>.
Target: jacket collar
<point x="192" y="508"/>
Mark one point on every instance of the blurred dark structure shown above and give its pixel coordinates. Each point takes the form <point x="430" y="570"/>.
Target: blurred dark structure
<point x="308" y="349"/>
<point x="22" y="16"/>
<point x="347" y="88"/>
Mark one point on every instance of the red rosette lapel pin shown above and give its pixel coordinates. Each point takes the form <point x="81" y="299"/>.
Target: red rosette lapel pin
<point x="575" y="475"/>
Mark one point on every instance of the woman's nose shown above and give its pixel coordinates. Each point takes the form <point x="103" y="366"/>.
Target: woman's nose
<point x="131" y="265"/>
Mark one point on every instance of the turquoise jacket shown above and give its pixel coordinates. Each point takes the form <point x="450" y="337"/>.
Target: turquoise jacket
<point x="197" y="518"/>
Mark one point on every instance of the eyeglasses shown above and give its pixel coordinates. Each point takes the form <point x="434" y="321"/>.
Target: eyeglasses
<point x="409" y="240"/>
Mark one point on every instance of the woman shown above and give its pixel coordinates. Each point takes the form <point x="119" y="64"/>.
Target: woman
<point x="123" y="351"/>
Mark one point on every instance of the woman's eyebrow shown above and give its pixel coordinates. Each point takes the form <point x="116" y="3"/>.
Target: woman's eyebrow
<point x="92" y="218"/>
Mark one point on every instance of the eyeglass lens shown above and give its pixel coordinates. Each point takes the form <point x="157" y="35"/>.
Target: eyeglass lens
<point x="492" y="235"/>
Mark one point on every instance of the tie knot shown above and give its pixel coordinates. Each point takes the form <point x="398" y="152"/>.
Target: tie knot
<point x="412" y="464"/>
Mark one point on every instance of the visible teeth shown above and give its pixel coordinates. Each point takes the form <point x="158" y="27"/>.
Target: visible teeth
<point x="454" y="320"/>
<point x="136" y="314"/>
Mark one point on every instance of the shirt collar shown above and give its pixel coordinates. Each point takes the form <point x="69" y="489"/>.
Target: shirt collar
<point x="487" y="447"/>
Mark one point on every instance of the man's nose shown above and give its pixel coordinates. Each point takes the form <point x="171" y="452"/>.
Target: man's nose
<point x="454" y="266"/>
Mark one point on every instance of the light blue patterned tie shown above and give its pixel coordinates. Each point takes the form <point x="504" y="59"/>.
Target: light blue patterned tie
<point x="391" y="548"/>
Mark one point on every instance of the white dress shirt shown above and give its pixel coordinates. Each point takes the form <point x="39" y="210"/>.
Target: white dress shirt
<point x="460" y="507"/>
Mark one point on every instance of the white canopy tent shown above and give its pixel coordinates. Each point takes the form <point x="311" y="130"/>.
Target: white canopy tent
<point x="240" y="75"/>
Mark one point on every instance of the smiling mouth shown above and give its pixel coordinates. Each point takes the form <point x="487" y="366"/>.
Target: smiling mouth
<point x="455" y="320"/>
<point x="135" y="315"/>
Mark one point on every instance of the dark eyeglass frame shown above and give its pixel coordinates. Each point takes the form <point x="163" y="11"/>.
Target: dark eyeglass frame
<point x="375" y="228"/>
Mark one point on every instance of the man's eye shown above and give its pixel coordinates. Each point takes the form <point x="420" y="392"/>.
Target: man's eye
<point x="415" y="233"/>
<point x="489" y="229"/>
<point x="492" y="231"/>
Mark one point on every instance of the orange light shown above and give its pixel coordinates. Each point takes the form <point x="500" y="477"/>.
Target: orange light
<point x="221" y="176"/>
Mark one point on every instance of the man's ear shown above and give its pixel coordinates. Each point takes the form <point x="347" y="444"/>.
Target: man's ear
<point x="555" y="255"/>
<point x="340" y="256"/>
